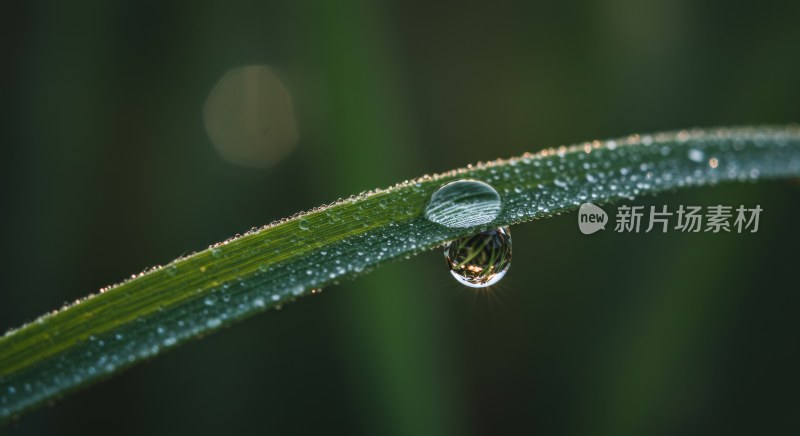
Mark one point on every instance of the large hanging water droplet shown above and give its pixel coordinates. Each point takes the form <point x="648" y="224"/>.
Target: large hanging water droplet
<point x="480" y="260"/>
<point x="464" y="203"/>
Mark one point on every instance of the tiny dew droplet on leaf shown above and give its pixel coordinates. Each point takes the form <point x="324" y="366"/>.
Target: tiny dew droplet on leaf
<point x="480" y="260"/>
<point x="303" y="224"/>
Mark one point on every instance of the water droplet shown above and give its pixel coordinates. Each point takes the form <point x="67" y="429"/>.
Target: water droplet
<point x="216" y="252"/>
<point x="464" y="203"/>
<point x="213" y="322"/>
<point x="696" y="155"/>
<point x="303" y="224"/>
<point x="480" y="260"/>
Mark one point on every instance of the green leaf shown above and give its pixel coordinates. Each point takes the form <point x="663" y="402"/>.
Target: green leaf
<point x="271" y="266"/>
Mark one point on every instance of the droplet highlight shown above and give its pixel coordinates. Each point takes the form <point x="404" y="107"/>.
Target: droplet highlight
<point x="480" y="260"/>
<point x="464" y="203"/>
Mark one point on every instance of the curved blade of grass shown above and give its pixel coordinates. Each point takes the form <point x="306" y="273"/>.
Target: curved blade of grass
<point x="267" y="267"/>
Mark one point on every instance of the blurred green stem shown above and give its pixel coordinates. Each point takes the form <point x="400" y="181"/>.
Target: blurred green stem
<point x="395" y="379"/>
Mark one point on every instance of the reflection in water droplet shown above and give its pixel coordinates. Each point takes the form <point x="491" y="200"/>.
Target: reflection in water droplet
<point x="464" y="203"/>
<point x="480" y="260"/>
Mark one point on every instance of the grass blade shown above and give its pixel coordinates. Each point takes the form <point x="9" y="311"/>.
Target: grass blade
<point x="268" y="267"/>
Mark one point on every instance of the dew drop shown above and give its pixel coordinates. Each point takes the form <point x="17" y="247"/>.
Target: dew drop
<point x="464" y="203"/>
<point x="696" y="155"/>
<point x="303" y="224"/>
<point x="213" y="322"/>
<point x="480" y="260"/>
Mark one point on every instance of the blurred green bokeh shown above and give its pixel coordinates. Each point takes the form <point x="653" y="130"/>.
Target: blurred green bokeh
<point x="107" y="169"/>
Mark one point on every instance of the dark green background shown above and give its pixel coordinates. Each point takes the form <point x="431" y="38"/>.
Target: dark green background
<point x="106" y="170"/>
